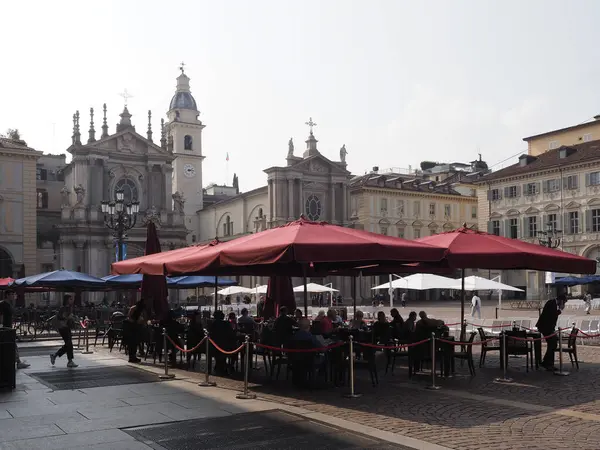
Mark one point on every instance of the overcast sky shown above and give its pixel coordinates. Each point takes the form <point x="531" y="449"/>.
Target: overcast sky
<point x="396" y="81"/>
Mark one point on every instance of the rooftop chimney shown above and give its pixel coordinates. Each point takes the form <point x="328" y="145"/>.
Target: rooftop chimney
<point x="597" y="117"/>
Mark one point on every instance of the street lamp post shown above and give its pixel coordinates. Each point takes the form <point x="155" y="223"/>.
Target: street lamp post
<point x="550" y="237"/>
<point x="120" y="217"/>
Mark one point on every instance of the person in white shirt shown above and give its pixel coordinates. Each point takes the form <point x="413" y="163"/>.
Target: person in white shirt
<point x="476" y="305"/>
<point x="588" y="302"/>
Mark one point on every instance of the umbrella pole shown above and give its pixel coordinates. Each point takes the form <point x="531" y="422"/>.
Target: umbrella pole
<point x="353" y="297"/>
<point x="305" y="292"/>
<point x="217" y="295"/>
<point x="462" y="305"/>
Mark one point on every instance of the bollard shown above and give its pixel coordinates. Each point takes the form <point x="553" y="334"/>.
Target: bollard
<point x="433" y="386"/>
<point x="352" y="394"/>
<point x="246" y="395"/>
<point x="166" y="375"/>
<point x="504" y="378"/>
<point x="86" y="337"/>
<point x="207" y="381"/>
<point x="560" y="372"/>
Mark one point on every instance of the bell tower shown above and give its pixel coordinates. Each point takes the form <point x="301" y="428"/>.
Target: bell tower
<point x="184" y="137"/>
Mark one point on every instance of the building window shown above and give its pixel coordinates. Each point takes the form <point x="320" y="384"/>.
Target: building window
<point x="513" y="228"/>
<point x="593" y="179"/>
<point x="401" y="232"/>
<point x="383" y="206"/>
<point x="312" y="207"/>
<point x="495" y="194"/>
<point x="41" y="174"/>
<point x="400" y="207"/>
<point x="596" y="220"/>
<point x="496" y="227"/>
<point x="383" y="229"/>
<point x="571" y="182"/>
<point x="532" y="226"/>
<point x="228" y="227"/>
<point x="552" y="221"/>
<point x="417" y="208"/>
<point x="573" y="222"/>
<point x="511" y="192"/>
<point x="553" y="144"/>
<point x="42" y="199"/>
<point x="552" y="185"/>
<point x="473" y="212"/>
<point x="587" y="137"/>
<point x="130" y="192"/>
<point x="447" y="211"/>
<point x="47" y="268"/>
<point x="417" y="233"/>
<point x="187" y="142"/>
<point x="432" y="209"/>
<point x="531" y="189"/>
<point x="260" y="213"/>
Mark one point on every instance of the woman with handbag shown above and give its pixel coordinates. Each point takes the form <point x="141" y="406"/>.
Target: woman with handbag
<point x="63" y="323"/>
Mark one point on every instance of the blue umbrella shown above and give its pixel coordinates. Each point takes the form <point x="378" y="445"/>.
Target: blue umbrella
<point x="61" y="279"/>
<point x="195" y="281"/>
<point x="120" y="280"/>
<point x="569" y="281"/>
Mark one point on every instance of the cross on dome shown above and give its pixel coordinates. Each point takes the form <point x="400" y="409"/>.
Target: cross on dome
<point x="311" y="124"/>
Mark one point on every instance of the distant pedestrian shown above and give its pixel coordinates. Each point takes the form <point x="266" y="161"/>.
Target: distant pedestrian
<point x="588" y="302"/>
<point x="476" y="305"/>
<point x="403" y="299"/>
<point x="63" y="323"/>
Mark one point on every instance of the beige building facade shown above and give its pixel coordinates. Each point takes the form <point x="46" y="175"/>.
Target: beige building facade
<point x="17" y="208"/>
<point x="573" y="135"/>
<point x="557" y="190"/>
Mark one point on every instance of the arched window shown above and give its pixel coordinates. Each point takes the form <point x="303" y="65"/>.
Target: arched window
<point x="227" y="227"/>
<point x="187" y="142"/>
<point x="260" y="213"/>
<point x="130" y="192"/>
<point x="312" y="207"/>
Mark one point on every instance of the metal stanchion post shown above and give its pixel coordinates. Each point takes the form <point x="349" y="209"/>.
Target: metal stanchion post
<point x="166" y="375"/>
<point x="560" y="371"/>
<point x="433" y="351"/>
<point x="504" y="358"/>
<point x="86" y="337"/>
<point x="352" y="394"/>
<point x="207" y="381"/>
<point x="247" y="361"/>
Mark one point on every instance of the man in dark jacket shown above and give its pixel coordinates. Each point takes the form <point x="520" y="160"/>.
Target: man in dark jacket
<point x="546" y="325"/>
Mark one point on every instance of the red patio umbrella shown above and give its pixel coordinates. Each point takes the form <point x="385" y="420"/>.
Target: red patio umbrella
<point x="472" y="249"/>
<point x="4" y="282"/>
<point x="280" y="292"/>
<point x="154" y="287"/>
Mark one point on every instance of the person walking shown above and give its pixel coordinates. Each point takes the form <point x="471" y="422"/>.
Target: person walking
<point x="546" y="325"/>
<point x="403" y="299"/>
<point x="134" y="323"/>
<point x="588" y="302"/>
<point x="476" y="305"/>
<point x="63" y="322"/>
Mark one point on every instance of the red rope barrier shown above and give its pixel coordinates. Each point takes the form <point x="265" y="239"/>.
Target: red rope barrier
<point x="224" y="351"/>
<point x="84" y="323"/>
<point x="301" y="350"/>
<point x="393" y="347"/>
<point x="585" y="335"/>
<point x="183" y="350"/>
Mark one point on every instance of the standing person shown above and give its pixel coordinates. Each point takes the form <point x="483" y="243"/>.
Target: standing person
<point x="134" y="322"/>
<point x="588" y="302"/>
<point x="63" y="321"/>
<point x="546" y="325"/>
<point x="6" y="322"/>
<point x="476" y="305"/>
<point x="403" y="299"/>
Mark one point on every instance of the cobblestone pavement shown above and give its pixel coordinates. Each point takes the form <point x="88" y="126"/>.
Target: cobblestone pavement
<point x="537" y="411"/>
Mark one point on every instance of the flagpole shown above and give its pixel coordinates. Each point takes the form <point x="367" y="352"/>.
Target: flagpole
<point x="226" y="168"/>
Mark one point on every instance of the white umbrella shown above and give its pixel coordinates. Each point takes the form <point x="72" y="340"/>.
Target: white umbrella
<point x="475" y="283"/>
<point x="260" y="289"/>
<point x="419" y="282"/>
<point x="232" y="290"/>
<point x="314" y="288"/>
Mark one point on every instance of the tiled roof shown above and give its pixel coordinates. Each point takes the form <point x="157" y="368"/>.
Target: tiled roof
<point x="402" y="182"/>
<point x="585" y="152"/>
<point x="14" y="144"/>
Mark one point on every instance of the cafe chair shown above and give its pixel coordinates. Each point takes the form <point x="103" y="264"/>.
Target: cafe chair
<point x="485" y="346"/>
<point x="467" y="353"/>
<point x="571" y="348"/>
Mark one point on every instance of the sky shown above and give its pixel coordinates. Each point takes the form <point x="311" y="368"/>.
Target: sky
<point x="397" y="82"/>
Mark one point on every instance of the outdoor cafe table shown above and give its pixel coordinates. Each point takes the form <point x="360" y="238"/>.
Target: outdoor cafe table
<point x="533" y="337"/>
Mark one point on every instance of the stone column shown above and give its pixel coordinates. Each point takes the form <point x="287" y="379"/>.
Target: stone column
<point x="300" y="198"/>
<point x="332" y="200"/>
<point x="290" y="199"/>
<point x="344" y="203"/>
<point x="168" y="174"/>
<point x="271" y="205"/>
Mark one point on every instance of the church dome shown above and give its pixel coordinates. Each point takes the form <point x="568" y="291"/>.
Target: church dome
<point x="183" y="100"/>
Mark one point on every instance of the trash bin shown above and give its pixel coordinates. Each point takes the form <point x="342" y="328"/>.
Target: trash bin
<point x="8" y="372"/>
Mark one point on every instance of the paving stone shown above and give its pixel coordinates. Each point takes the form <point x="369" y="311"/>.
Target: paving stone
<point x="76" y="440"/>
<point x="92" y="377"/>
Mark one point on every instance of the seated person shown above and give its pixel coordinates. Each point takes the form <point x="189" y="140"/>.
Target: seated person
<point x="224" y="336"/>
<point x="298" y="315"/>
<point x="358" y="323"/>
<point x="336" y="320"/>
<point x="326" y="326"/>
<point x="381" y="329"/>
<point x="410" y="323"/>
<point x="397" y="324"/>
<point x="232" y="319"/>
<point x="284" y="326"/>
<point x="429" y="323"/>
<point x="304" y="334"/>
<point x="246" y="318"/>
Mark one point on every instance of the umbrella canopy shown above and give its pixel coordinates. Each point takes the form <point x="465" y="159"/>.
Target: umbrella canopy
<point x="5" y="282"/>
<point x="233" y="290"/>
<point x="154" y="288"/>
<point x="193" y="281"/>
<point x="475" y="283"/>
<point x="419" y="282"/>
<point x="571" y="281"/>
<point x="314" y="288"/>
<point x="298" y="248"/>
<point x="260" y="289"/>
<point x="472" y="249"/>
<point x="279" y="293"/>
<point x="61" y="280"/>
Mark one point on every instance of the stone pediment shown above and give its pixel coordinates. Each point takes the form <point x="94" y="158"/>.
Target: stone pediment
<point x="513" y="212"/>
<point x="594" y="201"/>
<point x="417" y="224"/>
<point x="551" y="207"/>
<point x="572" y="205"/>
<point x="401" y="223"/>
<point x="532" y="210"/>
<point x="129" y="142"/>
<point x="318" y="164"/>
<point x="495" y="215"/>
